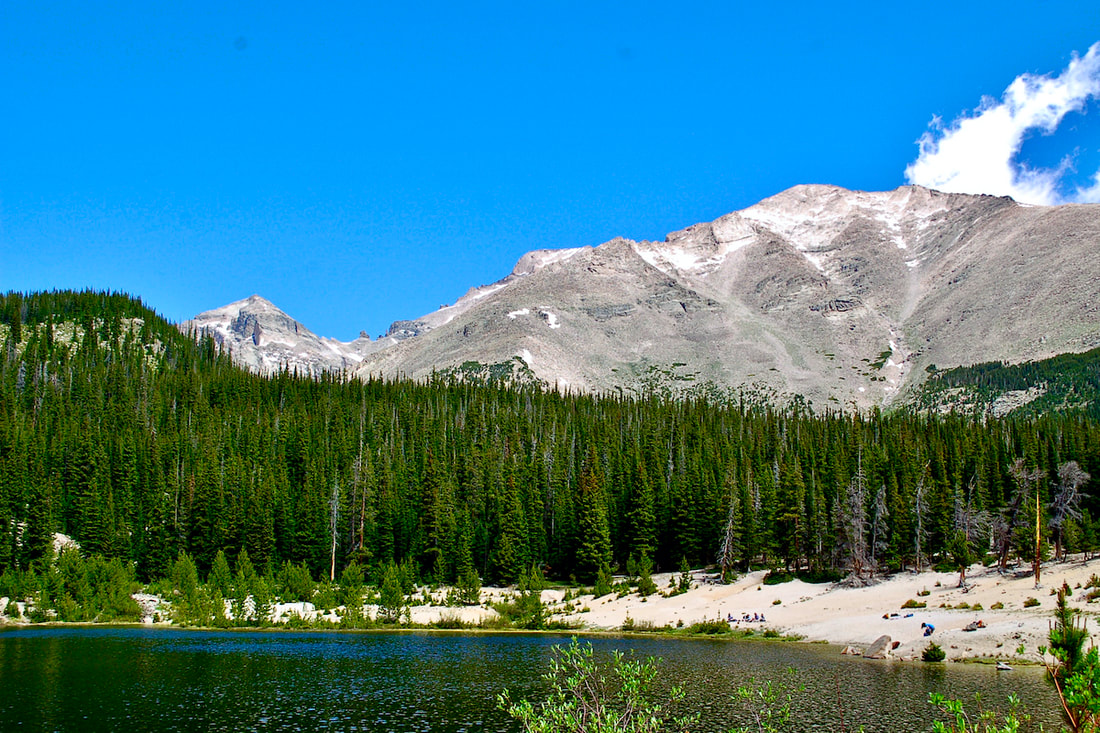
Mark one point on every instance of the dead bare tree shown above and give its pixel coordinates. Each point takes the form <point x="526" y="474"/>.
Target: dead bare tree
<point x="851" y="513"/>
<point x="1066" y="498"/>
<point x="972" y="525"/>
<point x="879" y="515"/>
<point x="1014" y="514"/>
<point x="334" y="524"/>
<point x="920" y="507"/>
<point x="727" y="553"/>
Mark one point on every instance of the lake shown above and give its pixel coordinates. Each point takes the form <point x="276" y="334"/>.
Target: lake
<point x="103" y="679"/>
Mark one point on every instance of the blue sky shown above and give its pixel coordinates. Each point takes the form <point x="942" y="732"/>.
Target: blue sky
<point x="366" y="162"/>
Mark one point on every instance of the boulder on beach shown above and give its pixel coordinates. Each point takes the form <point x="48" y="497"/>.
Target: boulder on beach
<point x="879" y="649"/>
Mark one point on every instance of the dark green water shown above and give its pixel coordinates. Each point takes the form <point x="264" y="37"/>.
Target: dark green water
<point x="95" y="679"/>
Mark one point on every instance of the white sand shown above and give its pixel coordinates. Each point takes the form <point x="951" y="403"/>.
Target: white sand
<point x="854" y="616"/>
<point x="824" y="612"/>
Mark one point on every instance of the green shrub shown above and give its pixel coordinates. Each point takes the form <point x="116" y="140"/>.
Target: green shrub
<point x="354" y="618"/>
<point x="997" y="606"/>
<point x="327" y="596"/>
<point x="36" y="614"/>
<point x="450" y="621"/>
<point x="933" y="653"/>
<point x="819" y="576"/>
<point x="467" y="592"/>
<point x="525" y="611"/>
<point x="775" y="577"/>
<point x="560" y="625"/>
<point x="296" y="621"/>
<point x="716" y="626"/>
<point x="296" y="583"/>
<point x="351" y="585"/>
<point x="587" y="697"/>
<point x="768" y="704"/>
<point x="1016" y="719"/>
<point x="1031" y="603"/>
<point x="914" y="604"/>
<point x="642" y="627"/>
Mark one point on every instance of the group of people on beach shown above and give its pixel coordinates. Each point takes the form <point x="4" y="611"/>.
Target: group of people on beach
<point x="756" y="618"/>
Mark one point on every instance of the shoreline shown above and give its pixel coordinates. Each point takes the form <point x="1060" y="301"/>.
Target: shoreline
<point x="810" y="613"/>
<point x="857" y="617"/>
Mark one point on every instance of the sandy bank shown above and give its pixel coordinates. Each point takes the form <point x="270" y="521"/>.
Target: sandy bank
<point x="816" y="612"/>
<point x="855" y="616"/>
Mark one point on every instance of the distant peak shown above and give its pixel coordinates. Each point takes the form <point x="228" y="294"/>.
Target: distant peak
<point x="258" y="300"/>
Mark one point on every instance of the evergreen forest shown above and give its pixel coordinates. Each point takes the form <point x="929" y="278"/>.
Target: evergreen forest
<point x="142" y="443"/>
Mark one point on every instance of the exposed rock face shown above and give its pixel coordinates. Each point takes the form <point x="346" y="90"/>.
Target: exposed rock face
<point x="842" y="297"/>
<point x="264" y="339"/>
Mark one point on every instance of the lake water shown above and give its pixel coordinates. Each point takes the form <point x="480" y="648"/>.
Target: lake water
<point x="105" y="679"/>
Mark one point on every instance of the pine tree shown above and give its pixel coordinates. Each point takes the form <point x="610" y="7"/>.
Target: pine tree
<point x="641" y="521"/>
<point x="221" y="577"/>
<point x="603" y="582"/>
<point x="391" y="600"/>
<point x="594" y="541"/>
<point x="791" y="512"/>
<point x="511" y="556"/>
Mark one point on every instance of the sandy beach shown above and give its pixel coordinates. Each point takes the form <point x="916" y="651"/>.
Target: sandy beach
<point x="826" y="612"/>
<point x="859" y="616"/>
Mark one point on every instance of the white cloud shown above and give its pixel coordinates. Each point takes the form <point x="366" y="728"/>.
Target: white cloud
<point x="977" y="153"/>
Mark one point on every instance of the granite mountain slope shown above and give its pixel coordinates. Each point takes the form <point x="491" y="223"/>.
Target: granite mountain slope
<point x="264" y="339"/>
<point x="841" y="297"/>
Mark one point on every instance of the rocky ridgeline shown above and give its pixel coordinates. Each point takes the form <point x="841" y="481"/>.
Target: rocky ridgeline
<point x="842" y="298"/>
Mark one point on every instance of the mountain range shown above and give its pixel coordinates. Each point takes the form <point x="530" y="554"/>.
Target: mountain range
<point x="818" y="293"/>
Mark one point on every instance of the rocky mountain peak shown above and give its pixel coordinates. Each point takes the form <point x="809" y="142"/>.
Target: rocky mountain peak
<point x="840" y="297"/>
<point x="259" y="335"/>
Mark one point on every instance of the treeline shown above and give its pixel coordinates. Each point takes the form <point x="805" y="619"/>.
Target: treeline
<point x="1070" y="381"/>
<point x="142" y="443"/>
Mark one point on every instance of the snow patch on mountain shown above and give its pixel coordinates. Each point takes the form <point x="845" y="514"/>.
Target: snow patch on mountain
<point x="699" y="249"/>
<point x="797" y="295"/>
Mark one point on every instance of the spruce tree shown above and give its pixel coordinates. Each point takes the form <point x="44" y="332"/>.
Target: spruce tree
<point x="593" y="541"/>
